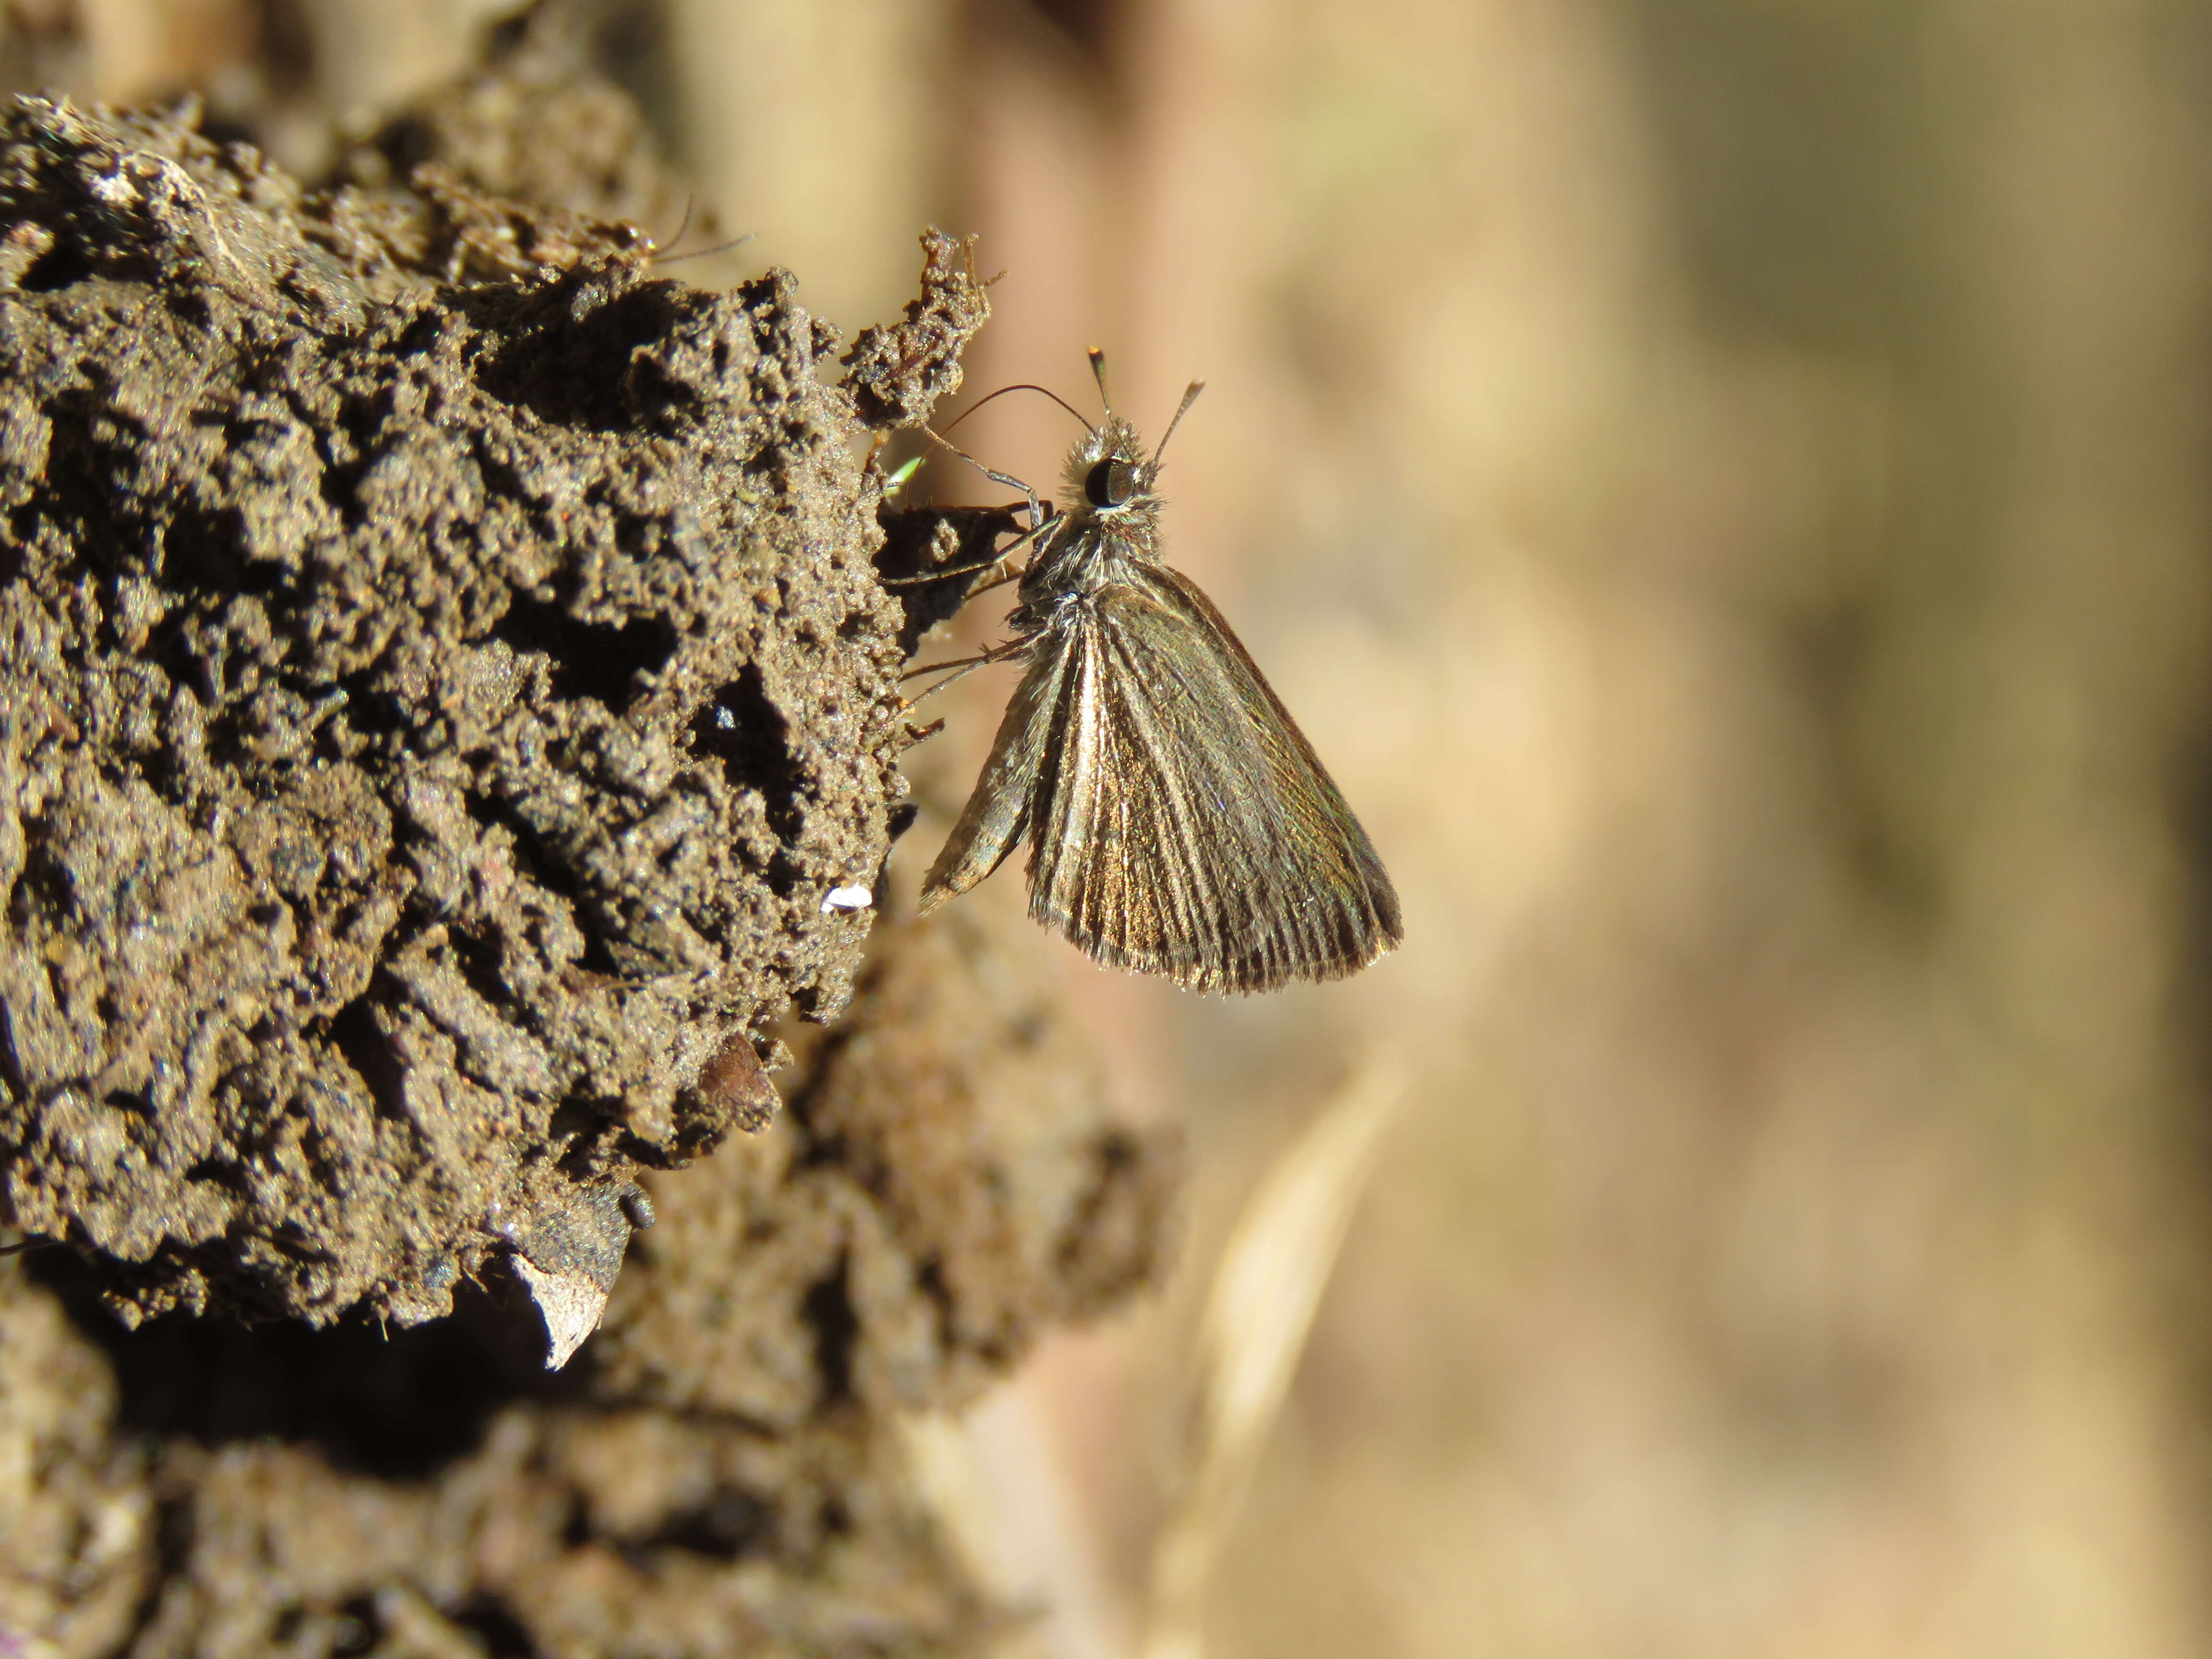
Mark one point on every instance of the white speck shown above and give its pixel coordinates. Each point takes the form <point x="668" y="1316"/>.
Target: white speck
<point x="114" y="189"/>
<point x="846" y="898"/>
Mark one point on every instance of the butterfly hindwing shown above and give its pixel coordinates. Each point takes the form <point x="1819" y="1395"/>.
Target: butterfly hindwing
<point x="1180" y="823"/>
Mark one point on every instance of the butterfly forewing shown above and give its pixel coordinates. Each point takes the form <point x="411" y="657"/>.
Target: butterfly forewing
<point x="997" y="815"/>
<point x="1180" y="823"/>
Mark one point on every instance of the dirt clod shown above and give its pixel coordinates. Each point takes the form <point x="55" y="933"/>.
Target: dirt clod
<point x="451" y="730"/>
<point x="898" y="372"/>
<point x="435" y="715"/>
<point x="718" y="1472"/>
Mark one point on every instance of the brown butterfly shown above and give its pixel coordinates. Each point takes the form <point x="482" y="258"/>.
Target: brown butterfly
<point x="1178" y="821"/>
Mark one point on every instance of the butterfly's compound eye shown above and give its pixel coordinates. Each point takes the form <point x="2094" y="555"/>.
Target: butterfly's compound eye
<point x="1110" y="483"/>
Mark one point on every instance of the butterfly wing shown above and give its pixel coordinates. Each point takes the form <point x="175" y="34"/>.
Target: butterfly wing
<point x="1181" y="824"/>
<point x="997" y="815"/>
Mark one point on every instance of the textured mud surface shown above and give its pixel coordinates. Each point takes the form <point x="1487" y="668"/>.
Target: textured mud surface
<point x="718" y="1474"/>
<point x="445" y="677"/>
<point x="445" y="680"/>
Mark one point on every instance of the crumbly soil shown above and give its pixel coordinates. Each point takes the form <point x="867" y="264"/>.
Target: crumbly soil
<point x="718" y="1474"/>
<point x="441" y="703"/>
<point x="448" y="674"/>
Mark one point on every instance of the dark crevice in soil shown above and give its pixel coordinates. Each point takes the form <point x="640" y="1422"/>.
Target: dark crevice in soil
<point x="827" y="1311"/>
<point x="354" y="1032"/>
<point x="395" y="1404"/>
<point x="589" y="659"/>
<point x="730" y="1525"/>
<point x="742" y="727"/>
<point x="493" y="1623"/>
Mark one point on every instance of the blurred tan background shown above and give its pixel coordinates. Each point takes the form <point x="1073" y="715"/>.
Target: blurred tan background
<point x="1723" y="484"/>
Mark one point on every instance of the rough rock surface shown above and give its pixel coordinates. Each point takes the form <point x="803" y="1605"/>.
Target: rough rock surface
<point x="445" y="677"/>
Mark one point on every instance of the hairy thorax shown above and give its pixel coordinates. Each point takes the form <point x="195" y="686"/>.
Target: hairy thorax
<point x="1087" y="552"/>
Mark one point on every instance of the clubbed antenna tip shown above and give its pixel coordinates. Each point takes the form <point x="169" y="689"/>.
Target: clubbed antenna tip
<point x="1189" y="396"/>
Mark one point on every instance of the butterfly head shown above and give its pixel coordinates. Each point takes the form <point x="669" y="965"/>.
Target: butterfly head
<point x="1108" y="473"/>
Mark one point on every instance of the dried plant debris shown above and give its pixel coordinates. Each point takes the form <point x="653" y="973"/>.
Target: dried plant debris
<point x="436" y="716"/>
<point x="719" y="1474"/>
<point x="569" y="1259"/>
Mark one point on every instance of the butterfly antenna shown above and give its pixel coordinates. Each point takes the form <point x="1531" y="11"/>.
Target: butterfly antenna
<point x="1036" y="507"/>
<point x="1024" y="387"/>
<point x="1189" y="396"/>
<point x="690" y="201"/>
<point x="1098" y="373"/>
<point x="705" y="253"/>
